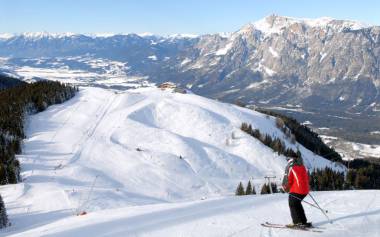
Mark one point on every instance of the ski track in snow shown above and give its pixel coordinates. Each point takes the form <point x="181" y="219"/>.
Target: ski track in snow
<point x="128" y="146"/>
<point x="228" y="216"/>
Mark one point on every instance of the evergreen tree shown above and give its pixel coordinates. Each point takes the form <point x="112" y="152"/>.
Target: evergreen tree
<point x="256" y="133"/>
<point x="15" y="104"/>
<point x="363" y="174"/>
<point x="327" y="179"/>
<point x="244" y="127"/>
<point x="249" y="190"/>
<point x="350" y="178"/>
<point x="240" y="190"/>
<point x="274" y="188"/>
<point x="3" y="214"/>
<point x="265" y="189"/>
<point x="361" y="180"/>
<point x="253" y="190"/>
<point x="276" y="143"/>
<point x="305" y="136"/>
<point x="267" y="140"/>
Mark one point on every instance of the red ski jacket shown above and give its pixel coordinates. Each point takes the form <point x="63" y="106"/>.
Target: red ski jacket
<point x="296" y="179"/>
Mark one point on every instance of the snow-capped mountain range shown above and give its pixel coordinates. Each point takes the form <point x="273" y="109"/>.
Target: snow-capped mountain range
<point x="264" y="25"/>
<point x="311" y="63"/>
<point x="152" y="162"/>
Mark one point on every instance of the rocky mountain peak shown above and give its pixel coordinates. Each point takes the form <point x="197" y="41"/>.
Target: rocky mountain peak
<point x="276" y="24"/>
<point x="276" y="60"/>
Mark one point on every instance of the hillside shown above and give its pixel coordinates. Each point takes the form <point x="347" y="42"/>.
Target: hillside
<point x="107" y="149"/>
<point x="7" y="82"/>
<point x="18" y="101"/>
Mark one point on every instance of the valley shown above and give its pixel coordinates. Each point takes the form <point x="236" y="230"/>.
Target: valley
<point x="190" y="134"/>
<point x="352" y="135"/>
<point x="274" y="62"/>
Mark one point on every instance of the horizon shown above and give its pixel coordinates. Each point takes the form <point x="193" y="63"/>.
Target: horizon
<point x="190" y="35"/>
<point x="167" y="17"/>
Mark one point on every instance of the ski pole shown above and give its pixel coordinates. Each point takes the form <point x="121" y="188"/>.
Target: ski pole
<point x="330" y="221"/>
<point x="311" y="204"/>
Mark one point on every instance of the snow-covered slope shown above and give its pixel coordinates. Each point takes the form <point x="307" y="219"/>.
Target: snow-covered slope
<point x="354" y="213"/>
<point x="108" y="149"/>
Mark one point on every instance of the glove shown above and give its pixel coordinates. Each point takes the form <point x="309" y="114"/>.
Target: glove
<point x="285" y="188"/>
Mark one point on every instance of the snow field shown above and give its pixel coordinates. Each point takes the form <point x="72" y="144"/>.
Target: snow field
<point x="118" y="154"/>
<point x="354" y="213"/>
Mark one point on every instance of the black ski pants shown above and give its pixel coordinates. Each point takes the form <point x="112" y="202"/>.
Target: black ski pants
<point x="296" y="210"/>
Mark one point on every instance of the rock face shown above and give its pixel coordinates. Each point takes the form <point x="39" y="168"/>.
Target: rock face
<point x="280" y="60"/>
<point x="321" y="63"/>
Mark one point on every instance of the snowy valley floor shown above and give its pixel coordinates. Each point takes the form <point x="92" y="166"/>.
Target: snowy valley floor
<point x="354" y="213"/>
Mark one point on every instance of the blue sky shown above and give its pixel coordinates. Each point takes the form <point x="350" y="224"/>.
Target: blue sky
<point x="168" y="16"/>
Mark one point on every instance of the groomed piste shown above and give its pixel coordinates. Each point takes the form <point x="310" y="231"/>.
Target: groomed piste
<point x="150" y="162"/>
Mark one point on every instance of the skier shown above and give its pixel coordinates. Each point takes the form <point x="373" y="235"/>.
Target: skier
<point x="296" y="182"/>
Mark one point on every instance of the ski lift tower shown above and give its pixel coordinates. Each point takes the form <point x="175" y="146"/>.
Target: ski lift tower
<point x="268" y="178"/>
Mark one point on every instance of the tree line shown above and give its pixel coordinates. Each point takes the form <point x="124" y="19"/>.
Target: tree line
<point x="7" y="82"/>
<point x="15" y="104"/>
<point x="362" y="176"/>
<point x="250" y="189"/>
<point x="362" y="173"/>
<point x="276" y="143"/>
<point x="306" y="137"/>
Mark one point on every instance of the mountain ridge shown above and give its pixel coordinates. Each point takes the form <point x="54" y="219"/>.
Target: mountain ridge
<point x="320" y="63"/>
<point x="312" y="22"/>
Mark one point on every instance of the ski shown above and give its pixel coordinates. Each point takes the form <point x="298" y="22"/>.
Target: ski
<point x="280" y="226"/>
<point x="273" y="224"/>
